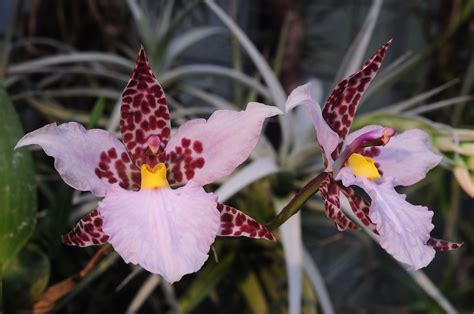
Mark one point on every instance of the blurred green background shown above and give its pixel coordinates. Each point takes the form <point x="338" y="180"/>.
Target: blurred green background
<point x="69" y="61"/>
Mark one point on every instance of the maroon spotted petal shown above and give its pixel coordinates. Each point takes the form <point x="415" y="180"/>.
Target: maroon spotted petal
<point x="117" y="167"/>
<point x="359" y="206"/>
<point x="329" y="190"/>
<point x="144" y="111"/>
<point x="88" y="231"/>
<point x="341" y="105"/>
<point x="443" y="245"/>
<point x="234" y="223"/>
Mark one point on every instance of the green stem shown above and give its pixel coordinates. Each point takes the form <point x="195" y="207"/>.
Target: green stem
<point x="297" y="201"/>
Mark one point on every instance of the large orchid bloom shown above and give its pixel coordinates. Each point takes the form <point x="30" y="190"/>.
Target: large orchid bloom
<point x="376" y="159"/>
<point x="167" y="231"/>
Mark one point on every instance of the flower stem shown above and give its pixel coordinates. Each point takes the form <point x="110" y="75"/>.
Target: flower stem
<point x="297" y="201"/>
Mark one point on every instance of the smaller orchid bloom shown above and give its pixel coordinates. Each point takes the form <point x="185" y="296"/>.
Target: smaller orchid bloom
<point x="375" y="159"/>
<point x="167" y="231"/>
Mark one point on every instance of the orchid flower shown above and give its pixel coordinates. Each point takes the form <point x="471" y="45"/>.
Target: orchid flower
<point x="375" y="159"/>
<point x="167" y="231"/>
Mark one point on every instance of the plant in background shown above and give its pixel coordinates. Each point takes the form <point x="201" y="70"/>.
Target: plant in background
<point x="166" y="231"/>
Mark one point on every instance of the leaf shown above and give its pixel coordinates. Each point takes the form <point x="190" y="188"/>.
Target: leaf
<point x="290" y="233"/>
<point x="17" y="185"/>
<point x="253" y="294"/>
<point x="252" y="172"/>
<point x="355" y="55"/>
<point x="186" y="71"/>
<point x="206" y="281"/>
<point x="25" y="278"/>
<point x="143" y="293"/>
<point x="317" y="282"/>
<point x="182" y="42"/>
<point x="97" y="113"/>
<point x="74" y="57"/>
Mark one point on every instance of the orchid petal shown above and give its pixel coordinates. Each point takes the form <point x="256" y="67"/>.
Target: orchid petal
<point x="406" y="158"/>
<point x="235" y="223"/>
<point x="208" y="150"/>
<point x="360" y="207"/>
<point x="341" y="106"/>
<point x="404" y="228"/>
<point x="329" y="190"/>
<point x="167" y="232"/>
<point x="443" y="245"/>
<point x="144" y="111"/>
<point x="88" y="231"/>
<point x="327" y="138"/>
<point x="87" y="160"/>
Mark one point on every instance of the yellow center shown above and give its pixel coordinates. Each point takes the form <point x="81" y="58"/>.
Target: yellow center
<point x="363" y="166"/>
<point x="154" y="178"/>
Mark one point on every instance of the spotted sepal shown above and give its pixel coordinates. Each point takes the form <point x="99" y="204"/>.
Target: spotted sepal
<point x="88" y="231"/>
<point x="234" y="223"/>
<point x="341" y="106"/>
<point x="144" y="114"/>
<point x="443" y="245"/>
<point x="329" y="190"/>
<point x="360" y="207"/>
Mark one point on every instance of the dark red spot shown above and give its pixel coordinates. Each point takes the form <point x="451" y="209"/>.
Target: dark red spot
<point x="185" y="142"/>
<point x="226" y="217"/>
<point x="125" y="157"/>
<point x="189" y="174"/>
<point x="199" y="163"/>
<point x="197" y="146"/>
<point x="165" y="132"/>
<point x="98" y="222"/>
<point x="161" y="124"/>
<point x="112" y="153"/>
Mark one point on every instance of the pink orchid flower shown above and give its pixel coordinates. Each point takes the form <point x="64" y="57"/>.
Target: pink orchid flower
<point x="376" y="159"/>
<point x="166" y="231"/>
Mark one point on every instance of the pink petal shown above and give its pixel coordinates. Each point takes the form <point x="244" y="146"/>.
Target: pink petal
<point x="88" y="231"/>
<point x="327" y="138"/>
<point x="144" y="111"/>
<point x="235" y="223"/>
<point x="87" y="160"/>
<point x="407" y="158"/>
<point x="167" y="232"/>
<point x="341" y="105"/>
<point x="329" y="190"/>
<point x="404" y="228"/>
<point x="207" y="150"/>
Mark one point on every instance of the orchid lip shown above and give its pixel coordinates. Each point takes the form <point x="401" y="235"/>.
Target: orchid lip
<point x="379" y="137"/>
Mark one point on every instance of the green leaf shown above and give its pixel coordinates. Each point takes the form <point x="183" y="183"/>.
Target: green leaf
<point x="253" y="294"/>
<point x="206" y="281"/>
<point x="26" y="277"/>
<point x="97" y="113"/>
<point x="17" y="185"/>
